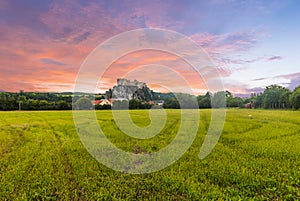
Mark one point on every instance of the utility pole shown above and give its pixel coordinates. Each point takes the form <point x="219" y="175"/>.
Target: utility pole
<point x="20" y="102"/>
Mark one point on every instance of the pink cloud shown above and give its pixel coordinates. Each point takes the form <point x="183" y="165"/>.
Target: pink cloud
<point x="226" y="43"/>
<point x="225" y="49"/>
<point x="273" y="58"/>
<point x="131" y="64"/>
<point x="290" y="76"/>
<point x="46" y="55"/>
<point x="286" y="76"/>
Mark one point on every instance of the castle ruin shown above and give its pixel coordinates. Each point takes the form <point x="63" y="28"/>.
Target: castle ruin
<point x="126" y="89"/>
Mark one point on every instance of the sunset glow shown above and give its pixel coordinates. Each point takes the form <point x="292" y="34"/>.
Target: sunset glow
<point x="252" y="43"/>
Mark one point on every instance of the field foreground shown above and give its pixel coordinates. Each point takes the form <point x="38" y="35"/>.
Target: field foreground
<point x="257" y="158"/>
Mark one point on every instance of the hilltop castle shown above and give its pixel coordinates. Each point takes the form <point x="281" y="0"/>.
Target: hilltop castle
<point x="126" y="89"/>
<point x="125" y="82"/>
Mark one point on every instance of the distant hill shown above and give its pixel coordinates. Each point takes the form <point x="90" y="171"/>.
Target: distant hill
<point x="163" y="96"/>
<point x="2" y="90"/>
<point x="244" y="96"/>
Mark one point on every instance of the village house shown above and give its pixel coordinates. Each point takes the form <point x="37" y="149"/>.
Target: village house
<point x="101" y="102"/>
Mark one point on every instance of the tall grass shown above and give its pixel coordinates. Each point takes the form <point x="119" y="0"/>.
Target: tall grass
<point x="256" y="158"/>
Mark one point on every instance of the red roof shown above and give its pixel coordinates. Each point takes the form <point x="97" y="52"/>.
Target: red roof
<point x="96" y="102"/>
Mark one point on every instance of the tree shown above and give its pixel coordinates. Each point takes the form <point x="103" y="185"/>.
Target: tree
<point x="204" y="101"/>
<point x="32" y="104"/>
<point x="102" y="107"/>
<point x="120" y="105"/>
<point x="83" y="103"/>
<point x="43" y="105"/>
<point x="135" y="104"/>
<point x="219" y="99"/>
<point x="99" y="97"/>
<point x="186" y="101"/>
<point x="228" y="94"/>
<point x="21" y="100"/>
<point x="271" y="97"/>
<point x="258" y="101"/>
<point x="63" y="105"/>
<point x="171" y="103"/>
<point x="234" y="102"/>
<point x="295" y="98"/>
<point x="284" y="99"/>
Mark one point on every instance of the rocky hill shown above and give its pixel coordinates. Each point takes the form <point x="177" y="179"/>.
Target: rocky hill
<point x="126" y="89"/>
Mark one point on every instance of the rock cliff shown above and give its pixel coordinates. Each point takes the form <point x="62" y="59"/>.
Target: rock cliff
<point x="126" y="89"/>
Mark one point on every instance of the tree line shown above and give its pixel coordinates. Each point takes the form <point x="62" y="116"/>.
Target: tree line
<point x="209" y="100"/>
<point x="276" y="97"/>
<point x="35" y="101"/>
<point x="273" y="97"/>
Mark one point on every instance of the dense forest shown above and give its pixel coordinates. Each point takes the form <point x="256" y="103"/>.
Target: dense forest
<point x="35" y="101"/>
<point x="273" y="97"/>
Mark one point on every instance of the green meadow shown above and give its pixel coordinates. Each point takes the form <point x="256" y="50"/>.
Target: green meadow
<point x="257" y="158"/>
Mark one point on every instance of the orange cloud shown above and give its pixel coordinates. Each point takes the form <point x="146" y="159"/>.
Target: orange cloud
<point x="154" y="67"/>
<point x="47" y="53"/>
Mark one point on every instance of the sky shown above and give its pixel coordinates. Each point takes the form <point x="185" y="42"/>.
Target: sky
<point x="252" y="43"/>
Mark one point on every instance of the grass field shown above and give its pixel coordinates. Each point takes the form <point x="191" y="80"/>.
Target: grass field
<point x="256" y="158"/>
